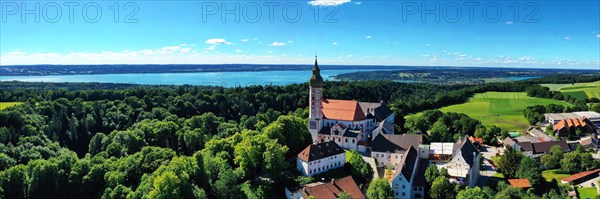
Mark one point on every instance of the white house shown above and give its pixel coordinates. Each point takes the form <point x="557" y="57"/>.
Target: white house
<point x="319" y="158"/>
<point x="465" y="162"/>
<point x="404" y="175"/>
<point x="389" y="149"/>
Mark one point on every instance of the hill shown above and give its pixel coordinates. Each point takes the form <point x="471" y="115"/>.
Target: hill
<point x="580" y="91"/>
<point x="503" y="109"/>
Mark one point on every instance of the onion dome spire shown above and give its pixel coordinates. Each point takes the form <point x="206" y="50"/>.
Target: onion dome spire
<point x="315" y="79"/>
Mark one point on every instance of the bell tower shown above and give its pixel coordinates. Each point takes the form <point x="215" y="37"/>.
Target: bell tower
<point x="315" y="120"/>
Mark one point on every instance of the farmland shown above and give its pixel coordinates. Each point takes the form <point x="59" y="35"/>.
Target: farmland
<point x="580" y="91"/>
<point x="503" y="109"/>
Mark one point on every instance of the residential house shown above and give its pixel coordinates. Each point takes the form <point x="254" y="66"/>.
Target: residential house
<point x="320" y="190"/>
<point x="386" y="149"/>
<point x="319" y="158"/>
<point x="465" y="162"/>
<point x="404" y="174"/>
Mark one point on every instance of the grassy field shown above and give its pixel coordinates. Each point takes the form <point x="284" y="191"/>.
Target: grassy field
<point x="4" y="105"/>
<point x="552" y="174"/>
<point x="589" y="192"/>
<point x="503" y="109"/>
<point x="579" y="90"/>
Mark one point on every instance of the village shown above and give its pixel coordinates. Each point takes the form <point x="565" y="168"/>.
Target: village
<point x="338" y="126"/>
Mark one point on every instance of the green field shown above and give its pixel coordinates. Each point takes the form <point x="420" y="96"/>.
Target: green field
<point x="4" y="105"/>
<point x="579" y="90"/>
<point x="503" y="109"/>
<point x="553" y="174"/>
<point x="589" y="192"/>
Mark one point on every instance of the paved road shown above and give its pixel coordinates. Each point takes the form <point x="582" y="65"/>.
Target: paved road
<point x="487" y="169"/>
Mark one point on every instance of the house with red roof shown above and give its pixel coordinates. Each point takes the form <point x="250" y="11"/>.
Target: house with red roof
<point x="567" y="127"/>
<point x="349" y="123"/>
<point x="329" y="190"/>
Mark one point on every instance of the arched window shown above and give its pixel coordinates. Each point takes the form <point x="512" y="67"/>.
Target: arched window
<point x="346" y="140"/>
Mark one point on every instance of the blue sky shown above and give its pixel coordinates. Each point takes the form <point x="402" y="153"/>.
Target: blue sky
<point x="548" y="34"/>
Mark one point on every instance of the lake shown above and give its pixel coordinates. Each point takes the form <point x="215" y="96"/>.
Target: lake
<point x="225" y="79"/>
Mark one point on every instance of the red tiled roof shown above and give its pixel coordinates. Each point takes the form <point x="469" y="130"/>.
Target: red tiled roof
<point x="519" y="183"/>
<point x="568" y="123"/>
<point x="579" y="175"/>
<point x="334" y="189"/>
<point x="347" y="110"/>
<point x="474" y="139"/>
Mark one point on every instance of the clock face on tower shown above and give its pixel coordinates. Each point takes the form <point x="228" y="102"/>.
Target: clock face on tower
<point x="313" y="125"/>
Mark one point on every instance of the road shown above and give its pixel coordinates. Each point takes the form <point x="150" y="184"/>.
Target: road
<point x="487" y="169"/>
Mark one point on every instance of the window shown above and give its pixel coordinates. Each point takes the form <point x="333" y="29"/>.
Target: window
<point x="403" y="193"/>
<point x="403" y="186"/>
<point x="353" y="141"/>
<point x="346" y="140"/>
<point x="415" y="189"/>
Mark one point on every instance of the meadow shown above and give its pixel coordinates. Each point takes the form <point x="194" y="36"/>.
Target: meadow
<point x="503" y="109"/>
<point x="580" y="91"/>
<point x="4" y="105"/>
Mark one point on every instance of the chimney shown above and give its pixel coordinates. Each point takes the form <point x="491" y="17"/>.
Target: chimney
<point x="323" y="179"/>
<point x="331" y="180"/>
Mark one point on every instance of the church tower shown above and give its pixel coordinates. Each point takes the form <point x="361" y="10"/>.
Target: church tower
<point x="315" y="120"/>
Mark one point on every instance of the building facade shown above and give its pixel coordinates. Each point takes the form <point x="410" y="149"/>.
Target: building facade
<point x="347" y="122"/>
<point x="319" y="158"/>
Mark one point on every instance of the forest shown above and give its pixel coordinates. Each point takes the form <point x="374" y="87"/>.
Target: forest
<point x="87" y="140"/>
<point x="461" y="75"/>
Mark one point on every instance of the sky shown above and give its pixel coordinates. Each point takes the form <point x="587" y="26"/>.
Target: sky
<point x="532" y="34"/>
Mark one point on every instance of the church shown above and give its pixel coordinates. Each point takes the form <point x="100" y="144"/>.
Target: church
<point x="350" y="124"/>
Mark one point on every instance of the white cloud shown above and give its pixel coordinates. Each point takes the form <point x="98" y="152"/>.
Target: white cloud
<point x="358" y="2"/>
<point x="598" y="35"/>
<point x="217" y="41"/>
<point x="290" y="41"/>
<point x="238" y="50"/>
<point x="526" y="58"/>
<point x="368" y="37"/>
<point x="567" y="38"/>
<point x="508" y="23"/>
<point x="427" y="44"/>
<point x="328" y="2"/>
<point x="244" y="40"/>
<point x="212" y="47"/>
<point x="270" y="51"/>
<point x="275" y="43"/>
<point x="334" y="43"/>
<point x="477" y="59"/>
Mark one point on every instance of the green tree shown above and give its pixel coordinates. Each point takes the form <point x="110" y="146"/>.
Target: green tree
<point x="508" y="161"/>
<point x="441" y="188"/>
<point x="380" y="189"/>
<point x="439" y="132"/>
<point x="360" y="170"/>
<point x="509" y="193"/>
<point x="118" y="192"/>
<point x="167" y="185"/>
<point x="528" y="168"/>
<point x="570" y="163"/>
<point x="14" y="181"/>
<point x="552" y="160"/>
<point x="344" y="195"/>
<point x="431" y="173"/>
<point x="475" y="193"/>
<point x="274" y="158"/>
